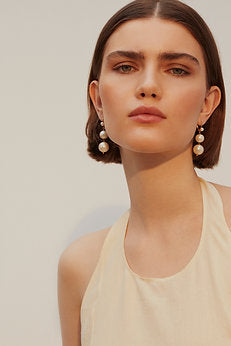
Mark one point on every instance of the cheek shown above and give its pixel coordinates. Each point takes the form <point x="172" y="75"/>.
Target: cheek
<point x="117" y="102"/>
<point x="189" y="102"/>
<point x="112" y="92"/>
<point x="114" y="99"/>
<point x="108" y="96"/>
<point x="190" y="105"/>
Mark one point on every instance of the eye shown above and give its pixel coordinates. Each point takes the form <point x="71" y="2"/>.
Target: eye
<point x="124" y="68"/>
<point x="177" y="71"/>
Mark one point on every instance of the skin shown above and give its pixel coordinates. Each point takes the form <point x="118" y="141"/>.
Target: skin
<point x="165" y="219"/>
<point x="179" y="86"/>
<point x="157" y="155"/>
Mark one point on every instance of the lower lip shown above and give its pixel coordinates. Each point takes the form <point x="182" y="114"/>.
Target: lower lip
<point x="147" y="118"/>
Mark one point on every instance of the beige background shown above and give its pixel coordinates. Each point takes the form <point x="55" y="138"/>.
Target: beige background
<point x="51" y="192"/>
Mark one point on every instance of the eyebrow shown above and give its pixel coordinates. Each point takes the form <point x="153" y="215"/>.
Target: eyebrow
<point x="164" y="56"/>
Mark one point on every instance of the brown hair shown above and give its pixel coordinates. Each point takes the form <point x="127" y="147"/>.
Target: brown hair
<point x="178" y="12"/>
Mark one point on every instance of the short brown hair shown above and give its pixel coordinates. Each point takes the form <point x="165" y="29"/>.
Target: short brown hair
<point x="178" y="12"/>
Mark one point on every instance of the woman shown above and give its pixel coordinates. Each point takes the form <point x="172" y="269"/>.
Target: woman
<point x="161" y="274"/>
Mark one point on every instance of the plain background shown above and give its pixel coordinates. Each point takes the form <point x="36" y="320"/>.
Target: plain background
<point x="51" y="191"/>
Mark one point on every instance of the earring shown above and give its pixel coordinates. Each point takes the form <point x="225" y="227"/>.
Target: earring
<point x="103" y="146"/>
<point x="198" y="149"/>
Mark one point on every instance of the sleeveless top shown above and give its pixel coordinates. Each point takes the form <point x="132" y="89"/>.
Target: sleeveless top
<point x="189" y="308"/>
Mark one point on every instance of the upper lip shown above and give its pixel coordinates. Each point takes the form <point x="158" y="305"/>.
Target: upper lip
<point x="147" y="110"/>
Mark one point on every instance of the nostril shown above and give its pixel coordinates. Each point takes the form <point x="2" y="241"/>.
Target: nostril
<point x="143" y="95"/>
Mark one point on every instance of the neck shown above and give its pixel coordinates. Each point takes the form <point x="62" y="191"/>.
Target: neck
<point x="162" y="192"/>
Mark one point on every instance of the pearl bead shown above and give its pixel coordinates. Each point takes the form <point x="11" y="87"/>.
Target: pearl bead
<point x="198" y="149"/>
<point x="102" y="123"/>
<point x="200" y="138"/>
<point x="103" y="134"/>
<point x="103" y="147"/>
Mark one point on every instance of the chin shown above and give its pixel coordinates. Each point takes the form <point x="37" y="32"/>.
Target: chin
<point x="142" y="149"/>
<point x="144" y="146"/>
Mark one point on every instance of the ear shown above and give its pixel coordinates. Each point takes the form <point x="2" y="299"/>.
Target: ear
<point x="211" y="102"/>
<point x="95" y="97"/>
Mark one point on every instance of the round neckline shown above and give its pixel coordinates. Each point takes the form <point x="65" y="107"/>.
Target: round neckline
<point x="194" y="257"/>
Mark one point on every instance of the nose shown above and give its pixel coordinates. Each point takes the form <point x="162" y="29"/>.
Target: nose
<point x="148" y="86"/>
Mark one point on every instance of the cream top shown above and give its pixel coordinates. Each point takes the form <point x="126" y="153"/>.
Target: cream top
<point x="189" y="308"/>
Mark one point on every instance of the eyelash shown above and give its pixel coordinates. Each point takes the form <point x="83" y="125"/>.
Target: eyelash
<point x="118" y="68"/>
<point x="184" y="73"/>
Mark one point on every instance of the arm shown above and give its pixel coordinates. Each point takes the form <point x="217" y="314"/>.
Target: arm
<point x="76" y="266"/>
<point x="69" y="299"/>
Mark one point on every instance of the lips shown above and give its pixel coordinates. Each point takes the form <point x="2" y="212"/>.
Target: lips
<point x="143" y="110"/>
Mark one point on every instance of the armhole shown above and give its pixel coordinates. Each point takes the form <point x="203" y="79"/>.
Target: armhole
<point x="95" y="279"/>
<point x="94" y="285"/>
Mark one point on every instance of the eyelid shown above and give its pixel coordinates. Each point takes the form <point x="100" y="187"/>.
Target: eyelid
<point x="118" y="66"/>
<point x="170" y="66"/>
<point x="185" y="73"/>
<point x="130" y="63"/>
<point x="179" y="64"/>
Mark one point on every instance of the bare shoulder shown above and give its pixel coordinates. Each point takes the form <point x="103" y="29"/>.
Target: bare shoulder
<point x="225" y="193"/>
<point x="76" y="266"/>
<point x="79" y="259"/>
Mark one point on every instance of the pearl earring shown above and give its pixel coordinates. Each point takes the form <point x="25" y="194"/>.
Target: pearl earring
<point x="198" y="149"/>
<point x="103" y="146"/>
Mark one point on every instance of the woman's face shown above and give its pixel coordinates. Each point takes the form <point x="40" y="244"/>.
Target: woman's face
<point x="153" y="63"/>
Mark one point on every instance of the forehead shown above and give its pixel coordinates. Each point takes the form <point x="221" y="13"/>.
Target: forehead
<point x="153" y="35"/>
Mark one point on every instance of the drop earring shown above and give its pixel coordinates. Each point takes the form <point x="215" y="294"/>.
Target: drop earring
<point x="198" y="149"/>
<point x="103" y="146"/>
